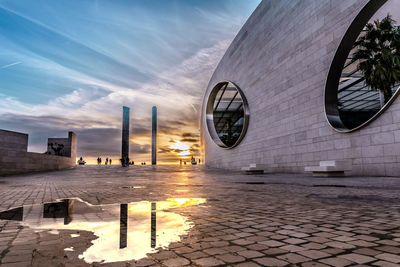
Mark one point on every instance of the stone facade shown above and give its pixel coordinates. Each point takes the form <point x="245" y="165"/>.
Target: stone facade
<point x="15" y="159"/>
<point x="280" y="59"/>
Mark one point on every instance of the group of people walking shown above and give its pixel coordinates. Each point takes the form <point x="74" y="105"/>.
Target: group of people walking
<point x="108" y="161"/>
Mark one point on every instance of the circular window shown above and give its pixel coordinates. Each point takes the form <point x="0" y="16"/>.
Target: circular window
<point x="360" y="85"/>
<point x="227" y="114"/>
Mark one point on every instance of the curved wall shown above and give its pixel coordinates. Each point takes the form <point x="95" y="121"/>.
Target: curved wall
<point x="280" y="59"/>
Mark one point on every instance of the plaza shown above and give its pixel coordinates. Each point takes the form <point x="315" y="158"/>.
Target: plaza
<point x="258" y="220"/>
<point x="289" y="156"/>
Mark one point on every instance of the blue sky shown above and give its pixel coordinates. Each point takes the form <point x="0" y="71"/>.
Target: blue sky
<point x="71" y="65"/>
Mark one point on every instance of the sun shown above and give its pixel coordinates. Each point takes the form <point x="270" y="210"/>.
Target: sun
<point x="183" y="148"/>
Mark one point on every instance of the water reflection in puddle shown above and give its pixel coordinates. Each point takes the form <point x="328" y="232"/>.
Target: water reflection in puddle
<point x="125" y="231"/>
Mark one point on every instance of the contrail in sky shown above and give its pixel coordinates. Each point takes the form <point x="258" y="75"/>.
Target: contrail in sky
<point x="9" y="65"/>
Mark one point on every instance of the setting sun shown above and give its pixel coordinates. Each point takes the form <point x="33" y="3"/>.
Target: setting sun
<point x="182" y="149"/>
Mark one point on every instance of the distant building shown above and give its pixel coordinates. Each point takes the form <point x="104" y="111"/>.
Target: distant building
<point x="15" y="159"/>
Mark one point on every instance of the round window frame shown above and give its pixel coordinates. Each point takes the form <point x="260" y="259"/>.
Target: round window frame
<point x="210" y="115"/>
<point x="337" y="65"/>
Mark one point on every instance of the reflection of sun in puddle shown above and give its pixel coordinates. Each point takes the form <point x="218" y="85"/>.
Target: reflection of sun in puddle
<point x="104" y="222"/>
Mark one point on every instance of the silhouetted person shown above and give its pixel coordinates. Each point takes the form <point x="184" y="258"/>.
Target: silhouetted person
<point x="125" y="162"/>
<point x="99" y="161"/>
<point x="110" y="161"/>
<point x="81" y="161"/>
<point x="199" y="161"/>
<point x="180" y="162"/>
<point x="106" y="161"/>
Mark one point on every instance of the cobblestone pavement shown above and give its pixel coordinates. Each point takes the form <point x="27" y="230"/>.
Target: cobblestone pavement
<point x="263" y="220"/>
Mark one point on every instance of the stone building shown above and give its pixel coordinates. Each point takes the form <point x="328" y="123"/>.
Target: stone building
<point x="15" y="159"/>
<point x="287" y="94"/>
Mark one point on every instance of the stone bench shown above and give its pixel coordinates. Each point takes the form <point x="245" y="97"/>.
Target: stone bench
<point x="254" y="168"/>
<point x="330" y="168"/>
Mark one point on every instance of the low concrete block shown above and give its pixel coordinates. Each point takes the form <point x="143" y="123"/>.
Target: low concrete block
<point x="329" y="168"/>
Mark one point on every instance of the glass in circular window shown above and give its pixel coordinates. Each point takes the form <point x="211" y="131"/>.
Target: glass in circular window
<point x="227" y="114"/>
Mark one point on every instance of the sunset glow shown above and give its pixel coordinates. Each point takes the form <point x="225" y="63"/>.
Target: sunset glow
<point x="61" y="73"/>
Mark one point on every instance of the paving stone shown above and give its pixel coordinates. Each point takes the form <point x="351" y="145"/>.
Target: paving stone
<point x="313" y="264"/>
<point x="341" y="245"/>
<point x="389" y="257"/>
<point x="163" y="255"/>
<point x="195" y="255"/>
<point x="247" y="264"/>
<point x="274" y="251"/>
<point x="272" y="243"/>
<point x="390" y="249"/>
<point x="141" y="263"/>
<point x="293" y="248"/>
<point x="385" y="264"/>
<point x="314" y="254"/>
<point x="333" y="251"/>
<point x="362" y="243"/>
<point x="257" y="247"/>
<point x="176" y="262"/>
<point x="293" y="258"/>
<point x="214" y="251"/>
<point x="238" y="228"/>
<point x="250" y="254"/>
<point x="337" y="262"/>
<point x="233" y="248"/>
<point x="242" y="242"/>
<point x="231" y="258"/>
<point x="16" y="258"/>
<point x="358" y="258"/>
<point x="266" y="261"/>
<point x="210" y="261"/>
<point x="313" y="245"/>
<point x="294" y="241"/>
<point x="367" y="251"/>
<point x="17" y="264"/>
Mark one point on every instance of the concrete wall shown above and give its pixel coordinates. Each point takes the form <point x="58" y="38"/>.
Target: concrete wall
<point x="14" y="158"/>
<point x="280" y="59"/>
<point x="65" y="143"/>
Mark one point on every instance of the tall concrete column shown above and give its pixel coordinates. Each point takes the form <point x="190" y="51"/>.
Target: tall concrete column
<point x="125" y="136"/>
<point x="153" y="225"/>
<point x="123" y="226"/>
<point x="154" y="137"/>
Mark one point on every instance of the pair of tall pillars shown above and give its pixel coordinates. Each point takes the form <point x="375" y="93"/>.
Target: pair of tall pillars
<point x="123" y="225"/>
<point x="125" y="136"/>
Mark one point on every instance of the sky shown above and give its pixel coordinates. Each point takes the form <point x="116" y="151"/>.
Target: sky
<point x="72" y="65"/>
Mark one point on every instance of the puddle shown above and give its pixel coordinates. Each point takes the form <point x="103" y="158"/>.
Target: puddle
<point x="125" y="231"/>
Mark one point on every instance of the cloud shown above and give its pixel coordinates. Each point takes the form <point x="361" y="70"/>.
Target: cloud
<point x="94" y="113"/>
<point x="190" y="140"/>
<point x="99" y="75"/>
<point x="140" y="149"/>
<point x="190" y="135"/>
<point x="65" y="51"/>
<point x="10" y="65"/>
